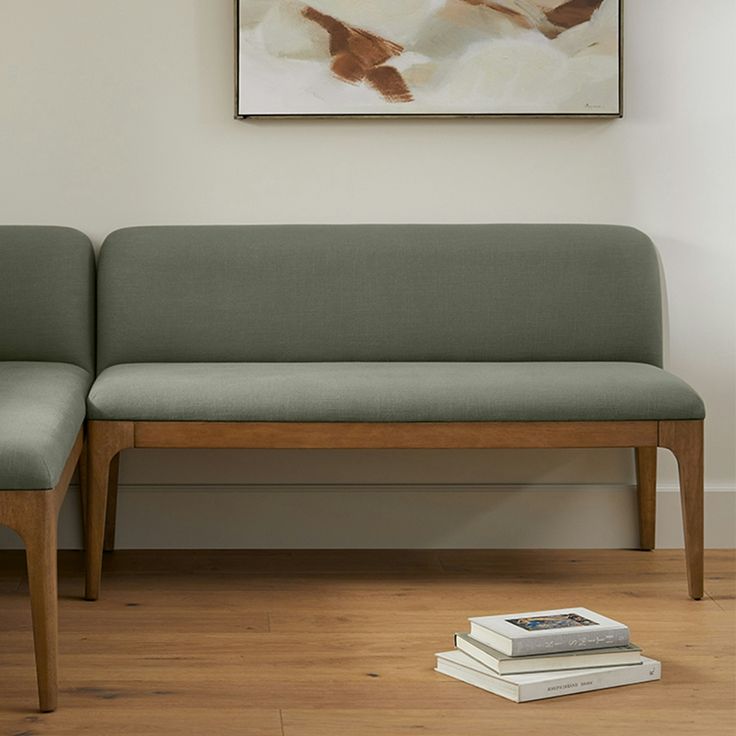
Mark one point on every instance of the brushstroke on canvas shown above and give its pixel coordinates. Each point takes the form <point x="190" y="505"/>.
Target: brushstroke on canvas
<point x="429" y="56"/>
<point x="358" y="55"/>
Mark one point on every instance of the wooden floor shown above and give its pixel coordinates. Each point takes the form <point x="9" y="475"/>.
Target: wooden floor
<point x="319" y="643"/>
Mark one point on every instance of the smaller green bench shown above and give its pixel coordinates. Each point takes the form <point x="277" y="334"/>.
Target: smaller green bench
<point x="387" y="336"/>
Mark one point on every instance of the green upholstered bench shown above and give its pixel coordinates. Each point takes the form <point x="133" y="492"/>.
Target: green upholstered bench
<point x="47" y="283"/>
<point x="387" y="336"/>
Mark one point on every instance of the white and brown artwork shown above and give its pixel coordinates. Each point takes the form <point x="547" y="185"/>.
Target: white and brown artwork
<point x="428" y="57"/>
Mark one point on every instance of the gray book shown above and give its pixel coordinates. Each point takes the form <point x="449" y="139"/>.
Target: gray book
<point x="505" y="664"/>
<point x="545" y="632"/>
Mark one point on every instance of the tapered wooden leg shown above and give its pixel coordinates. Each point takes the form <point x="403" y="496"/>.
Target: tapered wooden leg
<point x="685" y="440"/>
<point x="34" y="515"/>
<point x="105" y="441"/>
<point x="112" y="498"/>
<point x="41" y="556"/>
<point x="112" y="504"/>
<point x="646" y="485"/>
<point x="82" y="470"/>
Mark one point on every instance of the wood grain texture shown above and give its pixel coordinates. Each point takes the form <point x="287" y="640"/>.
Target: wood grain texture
<point x="395" y="435"/>
<point x="685" y="440"/>
<point x="646" y="491"/>
<point x="34" y="515"/>
<point x="105" y="440"/>
<point x="323" y="643"/>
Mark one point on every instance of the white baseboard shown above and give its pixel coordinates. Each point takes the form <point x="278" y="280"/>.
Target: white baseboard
<point x="392" y="516"/>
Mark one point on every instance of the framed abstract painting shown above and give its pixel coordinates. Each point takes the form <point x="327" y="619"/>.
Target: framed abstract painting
<point x="438" y="58"/>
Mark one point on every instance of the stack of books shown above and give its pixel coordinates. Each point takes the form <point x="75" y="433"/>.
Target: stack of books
<point x="545" y="654"/>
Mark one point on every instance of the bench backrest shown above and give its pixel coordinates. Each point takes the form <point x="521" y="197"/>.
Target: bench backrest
<point x="378" y="293"/>
<point x="47" y="295"/>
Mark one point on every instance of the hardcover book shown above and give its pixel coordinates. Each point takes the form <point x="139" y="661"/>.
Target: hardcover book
<point x="545" y="632"/>
<point x="540" y="685"/>
<point x="580" y="659"/>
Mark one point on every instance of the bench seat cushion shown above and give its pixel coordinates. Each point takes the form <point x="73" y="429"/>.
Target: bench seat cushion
<point x="41" y="411"/>
<point x="398" y="392"/>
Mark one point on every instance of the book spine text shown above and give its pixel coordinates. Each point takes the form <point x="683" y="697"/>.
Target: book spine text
<point x="570" y="642"/>
<point x="591" y="681"/>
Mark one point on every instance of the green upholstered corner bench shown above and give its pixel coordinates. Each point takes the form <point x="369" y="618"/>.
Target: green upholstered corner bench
<point x="387" y="336"/>
<point x="47" y="282"/>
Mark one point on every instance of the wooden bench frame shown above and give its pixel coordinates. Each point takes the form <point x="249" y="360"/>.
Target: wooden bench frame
<point x="684" y="438"/>
<point x="34" y="515"/>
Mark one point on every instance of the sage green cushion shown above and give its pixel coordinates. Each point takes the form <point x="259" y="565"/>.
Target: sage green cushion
<point x="383" y="392"/>
<point x="41" y="412"/>
<point x="47" y="295"/>
<point x="378" y="293"/>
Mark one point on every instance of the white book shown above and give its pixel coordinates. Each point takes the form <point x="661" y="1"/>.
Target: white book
<point x="540" y="685"/>
<point x="580" y="659"/>
<point x="544" y="632"/>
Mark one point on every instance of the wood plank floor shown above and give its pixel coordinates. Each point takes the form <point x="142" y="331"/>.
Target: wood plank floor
<point x="314" y="643"/>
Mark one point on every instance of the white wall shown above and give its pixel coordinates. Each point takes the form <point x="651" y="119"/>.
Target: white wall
<point x="120" y="113"/>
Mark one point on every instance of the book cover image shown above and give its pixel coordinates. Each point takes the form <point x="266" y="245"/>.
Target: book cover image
<point x="557" y="621"/>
